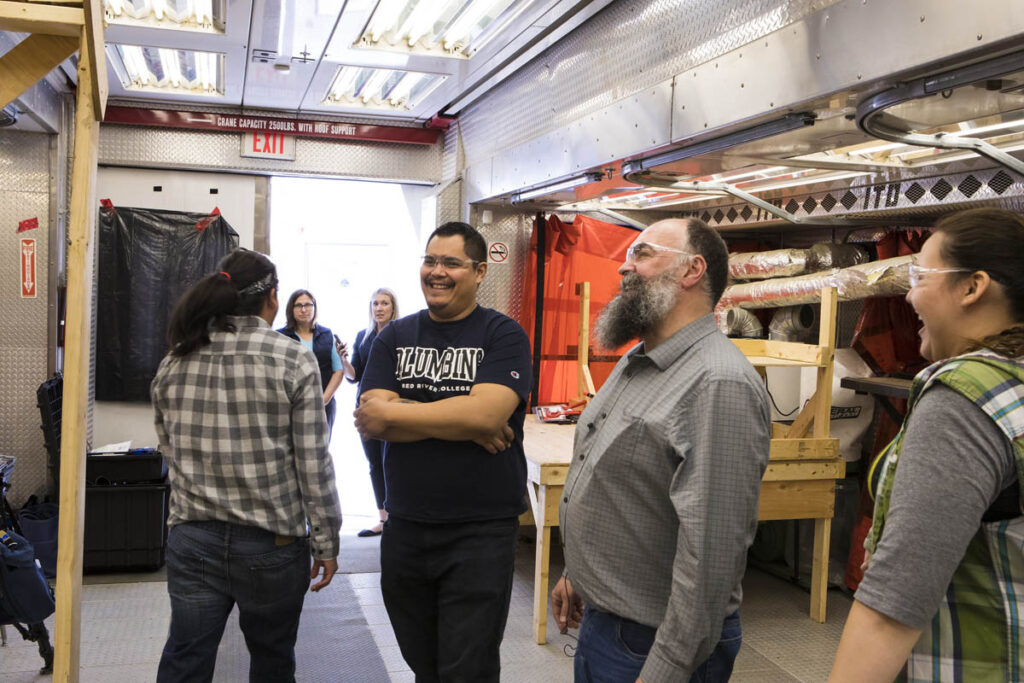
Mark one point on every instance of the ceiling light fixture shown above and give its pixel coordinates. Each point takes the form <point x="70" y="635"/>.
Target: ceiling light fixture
<point x="206" y="16"/>
<point x="444" y="28"/>
<point x="559" y="186"/>
<point x="373" y="88"/>
<point x="164" y="70"/>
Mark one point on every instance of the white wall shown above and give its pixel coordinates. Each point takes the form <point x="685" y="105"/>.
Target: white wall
<point x="343" y="239"/>
<point x="180" y="191"/>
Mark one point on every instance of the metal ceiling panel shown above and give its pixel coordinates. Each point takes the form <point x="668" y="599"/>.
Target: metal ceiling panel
<point x="287" y="42"/>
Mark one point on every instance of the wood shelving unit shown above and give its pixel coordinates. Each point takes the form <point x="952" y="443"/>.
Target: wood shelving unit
<point x="804" y="461"/>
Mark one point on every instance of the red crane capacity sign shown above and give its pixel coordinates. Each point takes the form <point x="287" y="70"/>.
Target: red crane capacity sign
<point x="28" y="268"/>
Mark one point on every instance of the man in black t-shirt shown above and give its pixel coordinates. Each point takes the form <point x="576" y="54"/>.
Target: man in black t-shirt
<point x="446" y="389"/>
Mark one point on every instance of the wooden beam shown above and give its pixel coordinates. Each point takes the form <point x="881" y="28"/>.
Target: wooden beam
<point x="584" y="383"/>
<point x="29" y="61"/>
<point x="827" y="343"/>
<point x="97" y="55"/>
<point x="811" y="499"/>
<point x="81" y="228"/>
<point x="783" y="449"/>
<point x="23" y="17"/>
<point x="802" y="424"/>
<point x="819" y="568"/>
<point x="804" y="471"/>
<point x="794" y="352"/>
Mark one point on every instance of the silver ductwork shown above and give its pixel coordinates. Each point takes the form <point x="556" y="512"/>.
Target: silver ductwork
<point x="763" y="265"/>
<point x="888" y="277"/>
<point x="742" y="323"/>
<point x="792" y="323"/>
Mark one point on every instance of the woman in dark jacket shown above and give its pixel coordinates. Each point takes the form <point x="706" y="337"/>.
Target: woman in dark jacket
<point x="302" y="326"/>
<point x="383" y="309"/>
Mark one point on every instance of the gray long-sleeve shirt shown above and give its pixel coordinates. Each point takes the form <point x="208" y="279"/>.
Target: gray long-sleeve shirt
<point x="660" y="502"/>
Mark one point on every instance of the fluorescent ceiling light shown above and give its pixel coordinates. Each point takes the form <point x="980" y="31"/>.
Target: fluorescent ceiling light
<point x="184" y="72"/>
<point x="205" y="16"/>
<point x="750" y="174"/>
<point x="446" y="28"/>
<point x="371" y="88"/>
<point x="559" y="186"/>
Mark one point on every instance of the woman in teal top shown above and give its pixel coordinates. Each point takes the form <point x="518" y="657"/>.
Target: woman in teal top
<point x="941" y="598"/>
<point x="301" y="325"/>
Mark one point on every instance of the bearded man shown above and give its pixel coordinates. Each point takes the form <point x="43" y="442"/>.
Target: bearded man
<point x="660" y="502"/>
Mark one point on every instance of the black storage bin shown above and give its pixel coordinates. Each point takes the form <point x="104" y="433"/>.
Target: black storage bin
<point x="135" y="467"/>
<point x="125" y="527"/>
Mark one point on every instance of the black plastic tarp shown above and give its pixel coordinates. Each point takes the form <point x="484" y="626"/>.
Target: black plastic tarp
<point x="147" y="259"/>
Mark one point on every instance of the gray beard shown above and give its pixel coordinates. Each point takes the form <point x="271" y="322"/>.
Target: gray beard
<point x="639" y="307"/>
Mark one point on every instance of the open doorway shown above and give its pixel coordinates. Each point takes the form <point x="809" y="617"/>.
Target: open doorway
<point x="342" y="240"/>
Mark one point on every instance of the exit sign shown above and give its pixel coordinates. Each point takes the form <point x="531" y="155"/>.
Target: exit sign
<point x="268" y="145"/>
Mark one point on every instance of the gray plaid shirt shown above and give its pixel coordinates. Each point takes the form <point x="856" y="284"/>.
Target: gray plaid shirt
<point x="241" y="423"/>
<point x="660" y="502"/>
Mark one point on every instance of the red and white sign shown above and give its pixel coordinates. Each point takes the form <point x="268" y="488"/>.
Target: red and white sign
<point x="497" y="252"/>
<point x="28" y="268"/>
<point x="268" y="145"/>
<point x="336" y="130"/>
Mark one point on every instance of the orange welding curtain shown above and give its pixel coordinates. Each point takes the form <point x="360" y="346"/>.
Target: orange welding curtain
<point x="584" y="250"/>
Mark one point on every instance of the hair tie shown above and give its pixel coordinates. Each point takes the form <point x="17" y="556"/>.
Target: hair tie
<point x="226" y="274"/>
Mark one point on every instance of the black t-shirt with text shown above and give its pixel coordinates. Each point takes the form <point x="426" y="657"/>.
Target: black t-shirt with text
<point x="434" y="480"/>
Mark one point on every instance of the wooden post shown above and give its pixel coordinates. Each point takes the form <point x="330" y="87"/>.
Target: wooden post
<point x="81" y="228"/>
<point x="584" y="382"/>
<point x="542" y="559"/>
<point x="819" y="568"/>
<point x="827" y="343"/>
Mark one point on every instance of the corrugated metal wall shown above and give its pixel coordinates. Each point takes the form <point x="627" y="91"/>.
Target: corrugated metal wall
<point x="628" y="47"/>
<point x="25" y="170"/>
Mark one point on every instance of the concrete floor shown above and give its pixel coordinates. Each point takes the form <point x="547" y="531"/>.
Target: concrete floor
<point x="124" y="624"/>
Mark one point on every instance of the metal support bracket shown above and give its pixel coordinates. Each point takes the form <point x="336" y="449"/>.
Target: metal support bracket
<point x="872" y="119"/>
<point x="672" y="184"/>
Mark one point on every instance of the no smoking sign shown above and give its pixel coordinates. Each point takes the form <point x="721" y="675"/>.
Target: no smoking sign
<point x="497" y="253"/>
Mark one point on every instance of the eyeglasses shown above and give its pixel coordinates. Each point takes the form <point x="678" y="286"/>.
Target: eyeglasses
<point x="641" y="251"/>
<point x="447" y="262"/>
<point x="304" y="306"/>
<point x="915" y="272"/>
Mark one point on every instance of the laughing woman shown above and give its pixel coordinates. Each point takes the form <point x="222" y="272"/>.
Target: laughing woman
<point x="940" y="595"/>
<point x="301" y="325"/>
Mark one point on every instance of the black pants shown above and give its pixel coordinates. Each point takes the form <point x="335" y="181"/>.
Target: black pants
<point x="374" y="450"/>
<point x="447" y="589"/>
<point x="329" y="410"/>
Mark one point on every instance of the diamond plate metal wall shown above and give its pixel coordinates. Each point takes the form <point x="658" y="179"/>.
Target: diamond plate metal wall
<point x="24" y="194"/>
<point x="502" y="289"/>
<point x="878" y="198"/>
<point x="594" y="66"/>
<point x="183" y="149"/>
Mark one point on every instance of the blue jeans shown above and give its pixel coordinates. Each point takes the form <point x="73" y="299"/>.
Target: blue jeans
<point x="211" y="567"/>
<point x="446" y="588"/>
<point x="613" y="650"/>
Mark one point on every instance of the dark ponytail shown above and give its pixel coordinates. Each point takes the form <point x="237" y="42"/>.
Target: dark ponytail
<point x="241" y="286"/>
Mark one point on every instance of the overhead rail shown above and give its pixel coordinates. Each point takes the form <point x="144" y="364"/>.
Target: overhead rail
<point x="759" y="132"/>
<point x="872" y="119"/>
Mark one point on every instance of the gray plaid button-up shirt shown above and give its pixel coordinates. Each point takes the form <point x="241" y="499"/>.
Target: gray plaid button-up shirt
<point x="241" y="423"/>
<point x="660" y="502"/>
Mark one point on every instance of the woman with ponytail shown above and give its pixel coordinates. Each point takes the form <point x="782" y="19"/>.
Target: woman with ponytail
<point x="940" y="597"/>
<point x="240" y="417"/>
